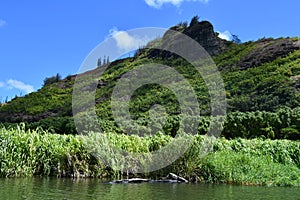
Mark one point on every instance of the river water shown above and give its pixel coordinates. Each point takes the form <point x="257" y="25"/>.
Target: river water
<point x="53" y="188"/>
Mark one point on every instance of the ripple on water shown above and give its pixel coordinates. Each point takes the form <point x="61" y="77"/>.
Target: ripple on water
<point x="53" y="188"/>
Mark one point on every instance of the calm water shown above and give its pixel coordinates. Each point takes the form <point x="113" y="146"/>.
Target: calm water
<point x="52" y="188"/>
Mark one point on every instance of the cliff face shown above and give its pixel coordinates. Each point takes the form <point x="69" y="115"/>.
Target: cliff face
<point x="203" y="32"/>
<point x="268" y="50"/>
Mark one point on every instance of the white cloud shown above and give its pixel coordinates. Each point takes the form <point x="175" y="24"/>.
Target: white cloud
<point x="159" y="3"/>
<point x="226" y="35"/>
<point x="127" y="42"/>
<point x="2" y="22"/>
<point x="14" y="84"/>
<point x="2" y="84"/>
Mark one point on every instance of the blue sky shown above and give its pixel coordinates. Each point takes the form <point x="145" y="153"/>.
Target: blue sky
<point x="41" y="38"/>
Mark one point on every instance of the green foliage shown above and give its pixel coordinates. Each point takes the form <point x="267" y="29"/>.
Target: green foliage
<point x="283" y="124"/>
<point x="262" y="88"/>
<point x="229" y="167"/>
<point x="50" y="100"/>
<point x="267" y="87"/>
<point x="234" y="53"/>
<point x="254" y="162"/>
<point x="37" y="152"/>
<point x="59" y="125"/>
<point x="254" y="96"/>
<point x="52" y="79"/>
<point x="263" y="97"/>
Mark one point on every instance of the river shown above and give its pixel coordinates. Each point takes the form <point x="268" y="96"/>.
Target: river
<point x="53" y="188"/>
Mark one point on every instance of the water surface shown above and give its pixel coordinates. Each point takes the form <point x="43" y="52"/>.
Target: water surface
<point x="53" y="188"/>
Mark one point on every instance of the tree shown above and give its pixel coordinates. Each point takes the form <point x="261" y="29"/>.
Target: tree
<point x="99" y="62"/>
<point x="57" y="77"/>
<point x="194" y="21"/>
<point x="181" y="26"/>
<point x="104" y="61"/>
<point x="52" y="79"/>
<point x="236" y="39"/>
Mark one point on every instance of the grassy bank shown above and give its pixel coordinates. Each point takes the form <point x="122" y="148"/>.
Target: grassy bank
<point x="238" y="161"/>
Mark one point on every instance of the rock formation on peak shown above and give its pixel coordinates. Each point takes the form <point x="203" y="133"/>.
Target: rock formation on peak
<point x="202" y="32"/>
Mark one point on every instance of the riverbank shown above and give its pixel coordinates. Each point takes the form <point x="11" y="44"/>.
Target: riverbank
<point x="239" y="161"/>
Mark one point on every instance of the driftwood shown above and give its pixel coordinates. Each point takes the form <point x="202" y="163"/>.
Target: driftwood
<point x="171" y="178"/>
<point x="178" y="178"/>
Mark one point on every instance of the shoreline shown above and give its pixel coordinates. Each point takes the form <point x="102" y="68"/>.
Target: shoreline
<point x="257" y="162"/>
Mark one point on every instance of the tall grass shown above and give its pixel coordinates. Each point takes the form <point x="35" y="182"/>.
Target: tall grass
<point x="38" y="152"/>
<point x="241" y="161"/>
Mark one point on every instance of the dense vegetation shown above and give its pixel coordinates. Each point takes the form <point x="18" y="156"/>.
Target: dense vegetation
<point x="256" y="161"/>
<point x="262" y="82"/>
<point x="283" y="124"/>
<point x="261" y="91"/>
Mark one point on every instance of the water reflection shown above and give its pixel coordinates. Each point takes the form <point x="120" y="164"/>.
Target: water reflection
<point x="52" y="188"/>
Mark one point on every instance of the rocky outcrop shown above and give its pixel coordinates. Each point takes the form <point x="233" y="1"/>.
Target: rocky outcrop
<point x="203" y="32"/>
<point x="268" y="50"/>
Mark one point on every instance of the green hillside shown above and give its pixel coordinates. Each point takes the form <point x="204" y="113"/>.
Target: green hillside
<point x="261" y="82"/>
